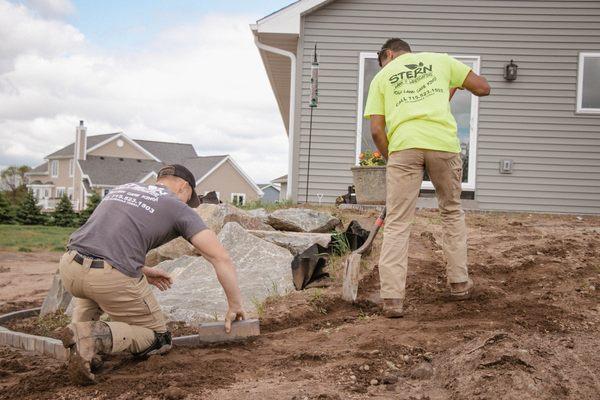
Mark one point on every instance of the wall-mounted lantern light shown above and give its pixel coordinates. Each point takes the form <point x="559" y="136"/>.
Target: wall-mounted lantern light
<point x="510" y="71"/>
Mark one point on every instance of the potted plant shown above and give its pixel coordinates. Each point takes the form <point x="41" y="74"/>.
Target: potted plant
<point x="369" y="178"/>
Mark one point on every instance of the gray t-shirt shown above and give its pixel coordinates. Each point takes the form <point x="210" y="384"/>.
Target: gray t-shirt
<point x="131" y="220"/>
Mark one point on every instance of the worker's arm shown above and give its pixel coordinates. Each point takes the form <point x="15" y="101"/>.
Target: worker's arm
<point x="207" y="243"/>
<point x="379" y="135"/>
<point x="476" y="84"/>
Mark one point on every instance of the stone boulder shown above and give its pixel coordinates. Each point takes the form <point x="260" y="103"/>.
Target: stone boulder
<point x="263" y="268"/>
<point x="303" y="220"/>
<point x="57" y="298"/>
<point x="259" y="213"/>
<point x="295" y="242"/>
<point x="214" y="216"/>
<point x="217" y="215"/>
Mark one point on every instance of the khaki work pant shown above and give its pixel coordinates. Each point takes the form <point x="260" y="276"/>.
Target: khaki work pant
<point x="403" y="181"/>
<point x="134" y="311"/>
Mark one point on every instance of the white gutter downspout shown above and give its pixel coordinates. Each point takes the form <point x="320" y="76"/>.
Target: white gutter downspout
<point x="292" y="58"/>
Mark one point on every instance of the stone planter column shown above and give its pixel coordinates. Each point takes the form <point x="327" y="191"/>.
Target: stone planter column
<point x="369" y="184"/>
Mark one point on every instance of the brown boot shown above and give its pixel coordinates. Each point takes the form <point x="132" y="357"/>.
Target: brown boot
<point x="86" y="340"/>
<point x="392" y="308"/>
<point x="461" y="291"/>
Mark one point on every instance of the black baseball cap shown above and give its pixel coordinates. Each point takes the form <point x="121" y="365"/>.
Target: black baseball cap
<point x="182" y="172"/>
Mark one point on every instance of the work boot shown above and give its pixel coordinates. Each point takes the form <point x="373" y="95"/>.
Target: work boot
<point x="85" y="340"/>
<point x="162" y="344"/>
<point x="392" y="308"/>
<point x="461" y="291"/>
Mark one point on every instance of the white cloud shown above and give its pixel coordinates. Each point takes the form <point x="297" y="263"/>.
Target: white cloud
<point x="51" y="8"/>
<point x="202" y="84"/>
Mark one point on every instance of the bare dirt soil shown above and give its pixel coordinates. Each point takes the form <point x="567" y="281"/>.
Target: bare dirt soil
<point x="530" y="331"/>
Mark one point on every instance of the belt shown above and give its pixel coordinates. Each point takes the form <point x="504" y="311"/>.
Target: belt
<point x="96" y="262"/>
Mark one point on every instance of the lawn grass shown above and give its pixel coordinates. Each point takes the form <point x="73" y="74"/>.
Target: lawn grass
<point x="33" y="238"/>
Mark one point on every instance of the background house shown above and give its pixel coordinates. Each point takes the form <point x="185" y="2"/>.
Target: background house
<point x="271" y="193"/>
<point x="283" y="187"/>
<point x="544" y="127"/>
<point x="99" y="163"/>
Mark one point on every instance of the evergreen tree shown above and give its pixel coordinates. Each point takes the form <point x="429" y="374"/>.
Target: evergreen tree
<point x="28" y="212"/>
<point x="63" y="214"/>
<point x="92" y="203"/>
<point x="6" y="211"/>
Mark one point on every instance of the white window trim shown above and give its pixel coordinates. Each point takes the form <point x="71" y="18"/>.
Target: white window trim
<point x="580" y="109"/>
<point x="71" y="168"/>
<point x="243" y="195"/>
<point x="470" y="184"/>
<point x="52" y="163"/>
<point x="58" y="188"/>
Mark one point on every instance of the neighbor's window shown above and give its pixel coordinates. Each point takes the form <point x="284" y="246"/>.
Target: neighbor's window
<point x="588" y="83"/>
<point x="239" y="199"/>
<point x="54" y="168"/>
<point x="60" y="192"/>
<point x="71" y="165"/>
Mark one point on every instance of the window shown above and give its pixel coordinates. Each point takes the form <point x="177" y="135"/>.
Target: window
<point x="588" y="83"/>
<point x="104" y="192"/>
<point x="70" y="193"/>
<point x="71" y="167"/>
<point x="54" y="168"/>
<point x="60" y="191"/>
<point x="239" y="199"/>
<point x="464" y="107"/>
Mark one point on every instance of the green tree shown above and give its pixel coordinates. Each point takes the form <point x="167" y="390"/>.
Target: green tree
<point x="92" y="203"/>
<point x="13" y="178"/>
<point x="6" y="210"/>
<point x="28" y="212"/>
<point x="63" y="214"/>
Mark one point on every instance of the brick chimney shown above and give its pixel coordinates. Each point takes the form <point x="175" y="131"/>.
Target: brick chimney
<point x="80" y="142"/>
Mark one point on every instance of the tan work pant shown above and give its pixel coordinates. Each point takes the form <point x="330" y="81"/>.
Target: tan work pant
<point x="403" y="181"/>
<point x="134" y="311"/>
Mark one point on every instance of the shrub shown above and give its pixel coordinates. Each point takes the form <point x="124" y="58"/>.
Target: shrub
<point x="93" y="202"/>
<point x="6" y="211"/>
<point x="28" y="212"/>
<point x="63" y="214"/>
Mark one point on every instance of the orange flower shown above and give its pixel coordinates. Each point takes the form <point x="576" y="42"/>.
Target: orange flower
<point x="362" y="156"/>
<point x="377" y="154"/>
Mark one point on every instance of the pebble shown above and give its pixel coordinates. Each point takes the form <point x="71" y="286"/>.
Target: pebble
<point x="366" y="367"/>
<point x="374" y="382"/>
<point x="406" y="358"/>
<point x="353" y="377"/>
<point x="592" y="288"/>
<point x="422" y="371"/>
<point x="389" y="379"/>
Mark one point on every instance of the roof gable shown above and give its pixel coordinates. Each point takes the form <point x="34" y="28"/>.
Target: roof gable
<point x="287" y="19"/>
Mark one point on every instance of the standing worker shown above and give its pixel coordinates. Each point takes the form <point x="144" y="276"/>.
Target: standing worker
<point x="410" y="96"/>
<point x="104" y="270"/>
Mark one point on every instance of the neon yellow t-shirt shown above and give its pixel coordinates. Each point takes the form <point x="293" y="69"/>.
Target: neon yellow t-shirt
<point x="412" y="91"/>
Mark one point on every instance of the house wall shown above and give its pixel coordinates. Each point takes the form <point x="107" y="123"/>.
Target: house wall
<point x="63" y="179"/>
<point x="271" y="195"/>
<point x="531" y="120"/>
<point x="111" y="149"/>
<point x="226" y="180"/>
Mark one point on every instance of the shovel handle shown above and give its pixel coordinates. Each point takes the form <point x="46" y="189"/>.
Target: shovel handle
<point x="378" y="224"/>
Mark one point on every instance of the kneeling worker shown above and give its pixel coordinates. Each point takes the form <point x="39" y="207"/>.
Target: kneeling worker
<point x="104" y="269"/>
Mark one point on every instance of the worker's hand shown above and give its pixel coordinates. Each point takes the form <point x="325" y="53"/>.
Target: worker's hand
<point x="235" y="313"/>
<point x="157" y="277"/>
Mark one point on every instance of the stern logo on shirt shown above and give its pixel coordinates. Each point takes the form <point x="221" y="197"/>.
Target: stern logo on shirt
<point x="414" y="71"/>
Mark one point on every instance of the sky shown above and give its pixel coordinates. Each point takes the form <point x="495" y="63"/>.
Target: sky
<point x="177" y="70"/>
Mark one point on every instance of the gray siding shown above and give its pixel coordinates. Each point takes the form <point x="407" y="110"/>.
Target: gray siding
<point x="531" y="121"/>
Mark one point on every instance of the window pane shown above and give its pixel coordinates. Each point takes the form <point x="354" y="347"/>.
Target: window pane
<point x="371" y="69"/>
<point x="590" y="95"/>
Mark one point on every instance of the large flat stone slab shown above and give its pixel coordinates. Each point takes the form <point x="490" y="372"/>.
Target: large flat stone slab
<point x="57" y="298"/>
<point x="303" y="220"/>
<point x="196" y="295"/>
<point x="295" y="242"/>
